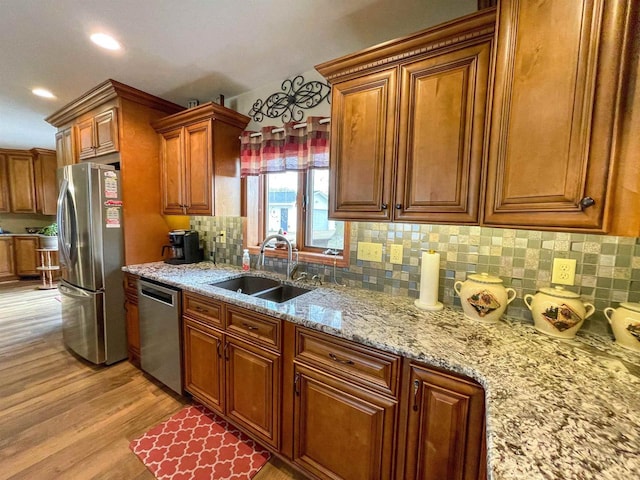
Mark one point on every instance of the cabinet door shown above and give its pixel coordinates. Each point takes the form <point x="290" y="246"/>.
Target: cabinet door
<point x="172" y="172"/>
<point x="197" y="167"/>
<point x="444" y="436"/>
<point x="555" y="105"/>
<point x="362" y="147"/>
<point x="133" y="329"/>
<point x="64" y="147"/>
<point x="26" y="256"/>
<point x="46" y="183"/>
<point x="7" y="265"/>
<point x="440" y="148"/>
<point x="253" y="389"/>
<point x="341" y="431"/>
<point x="22" y="190"/>
<point x="86" y="142"/>
<point x="5" y="205"/>
<point x="106" y="132"/>
<point x="203" y="364"/>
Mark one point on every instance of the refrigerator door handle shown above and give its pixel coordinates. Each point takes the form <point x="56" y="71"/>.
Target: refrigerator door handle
<point x="62" y="230"/>
<point x="66" y="243"/>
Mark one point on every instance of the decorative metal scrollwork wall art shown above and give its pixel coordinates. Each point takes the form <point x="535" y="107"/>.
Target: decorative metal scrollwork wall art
<point x="296" y="95"/>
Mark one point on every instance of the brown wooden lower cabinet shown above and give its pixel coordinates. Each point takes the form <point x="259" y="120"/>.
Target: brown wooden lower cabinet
<point x="253" y="389"/>
<point x="26" y="257"/>
<point x="235" y="377"/>
<point x="342" y="431"/>
<point x="203" y="364"/>
<point x="329" y="406"/>
<point x="7" y="263"/>
<point x="132" y="318"/>
<point x="445" y="426"/>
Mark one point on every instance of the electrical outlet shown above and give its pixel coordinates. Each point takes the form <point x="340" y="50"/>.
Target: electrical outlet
<point x="221" y="237"/>
<point x="396" y="254"/>
<point x="564" y="271"/>
<point x="370" y="252"/>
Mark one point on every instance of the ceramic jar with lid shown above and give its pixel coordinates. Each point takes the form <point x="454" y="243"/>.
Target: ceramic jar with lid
<point x="625" y="322"/>
<point x="483" y="297"/>
<point x="558" y="312"/>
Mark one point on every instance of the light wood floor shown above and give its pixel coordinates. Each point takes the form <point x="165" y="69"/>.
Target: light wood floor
<point x="63" y="418"/>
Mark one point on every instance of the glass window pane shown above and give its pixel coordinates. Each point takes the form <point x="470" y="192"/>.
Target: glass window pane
<point x="282" y="210"/>
<point x="322" y="232"/>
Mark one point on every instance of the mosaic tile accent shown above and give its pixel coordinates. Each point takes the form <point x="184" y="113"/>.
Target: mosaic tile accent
<point x="607" y="271"/>
<point x="228" y="251"/>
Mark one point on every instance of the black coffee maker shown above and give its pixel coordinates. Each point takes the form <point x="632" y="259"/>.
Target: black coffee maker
<point x="184" y="247"/>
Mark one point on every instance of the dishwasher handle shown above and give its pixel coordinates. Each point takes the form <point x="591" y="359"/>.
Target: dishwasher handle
<point x="159" y="294"/>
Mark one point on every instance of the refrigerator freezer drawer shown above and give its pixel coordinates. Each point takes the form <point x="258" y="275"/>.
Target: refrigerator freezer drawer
<point x="83" y="322"/>
<point x="92" y="325"/>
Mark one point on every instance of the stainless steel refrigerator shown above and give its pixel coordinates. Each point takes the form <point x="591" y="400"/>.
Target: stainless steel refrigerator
<point x="91" y="254"/>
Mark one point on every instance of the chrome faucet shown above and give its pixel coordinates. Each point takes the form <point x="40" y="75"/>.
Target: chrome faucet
<point x="291" y="265"/>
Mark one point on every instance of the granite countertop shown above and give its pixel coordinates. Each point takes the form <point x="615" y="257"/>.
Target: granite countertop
<point x="555" y="409"/>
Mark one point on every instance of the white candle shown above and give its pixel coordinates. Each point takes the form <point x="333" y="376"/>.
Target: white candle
<point x="429" y="279"/>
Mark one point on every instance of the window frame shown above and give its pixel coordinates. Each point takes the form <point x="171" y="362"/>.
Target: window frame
<point x="254" y="196"/>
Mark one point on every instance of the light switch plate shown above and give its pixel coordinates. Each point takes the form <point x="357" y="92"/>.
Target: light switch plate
<point x="370" y="252"/>
<point x="396" y="254"/>
<point x="564" y="271"/>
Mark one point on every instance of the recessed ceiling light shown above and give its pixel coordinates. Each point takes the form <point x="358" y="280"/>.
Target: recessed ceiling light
<point x="41" y="92"/>
<point x="105" y="41"/>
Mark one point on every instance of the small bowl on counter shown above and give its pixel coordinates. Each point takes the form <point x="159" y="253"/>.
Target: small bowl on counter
<point x="33" y="229"/>
<point x="483" y="297"/>
<point x="625" y="323"/>
<point x="558" y="312"/>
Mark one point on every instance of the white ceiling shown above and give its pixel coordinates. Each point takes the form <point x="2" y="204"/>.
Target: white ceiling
<point x="181" y="49"/>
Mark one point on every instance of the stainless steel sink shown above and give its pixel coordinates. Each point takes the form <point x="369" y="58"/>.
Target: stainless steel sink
<point x="261" y="287"/>
<point x="282" y="293"/>
<point x="247" y="284"/>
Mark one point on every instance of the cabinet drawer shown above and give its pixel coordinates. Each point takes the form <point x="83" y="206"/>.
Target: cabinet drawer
<point x="259" y="328"/>
<point x="356" y="363"/>
<point x="202" y="308"/>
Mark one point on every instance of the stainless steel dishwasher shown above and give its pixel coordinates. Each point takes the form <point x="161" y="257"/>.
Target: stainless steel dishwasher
<point x="159" y="313"/>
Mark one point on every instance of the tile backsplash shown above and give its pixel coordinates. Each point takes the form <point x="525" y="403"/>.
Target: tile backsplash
<point x="607" y="272"/>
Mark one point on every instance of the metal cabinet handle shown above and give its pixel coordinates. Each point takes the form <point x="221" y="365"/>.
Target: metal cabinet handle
<point x="218" y="348"/>
<point x="587" y="202"/>
<point x="202" y="310"/>
<point x="398" y="206"/>
<point x="296" y="382"/>
<point x="226" y="351"/>
<point x="339" y="360"/>
<point x="384" y="206"/>
<point x="249" y="327"/>
<point x="416" y="388"/>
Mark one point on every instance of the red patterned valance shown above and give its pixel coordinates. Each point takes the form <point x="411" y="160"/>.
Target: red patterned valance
<point x="279" y="150"/>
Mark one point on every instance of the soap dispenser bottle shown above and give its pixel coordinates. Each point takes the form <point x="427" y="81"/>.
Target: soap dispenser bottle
<point x="246" y="260"/>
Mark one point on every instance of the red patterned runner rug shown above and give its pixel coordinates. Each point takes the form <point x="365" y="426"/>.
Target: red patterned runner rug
<point x="195" y="444"/>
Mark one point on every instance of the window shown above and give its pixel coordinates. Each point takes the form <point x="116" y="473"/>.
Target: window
<point x="286" y="188"/>
<point x="296" y="203"/>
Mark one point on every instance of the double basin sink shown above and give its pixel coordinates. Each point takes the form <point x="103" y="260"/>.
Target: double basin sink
<point x="262" y="287"/>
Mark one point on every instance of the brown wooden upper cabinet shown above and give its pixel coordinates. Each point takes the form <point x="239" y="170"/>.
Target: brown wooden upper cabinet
<point x="408" y="123"/>
<point x="22" y="187"/>
<point x="555" y="116"/>
<point x="28" y="181"/>
<point x="5" y="205"/>
<point x="200" y="161"/>
<point x="65" y="147"/>
<point x="98" y="134"/>
<point x="45" y="166"/>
